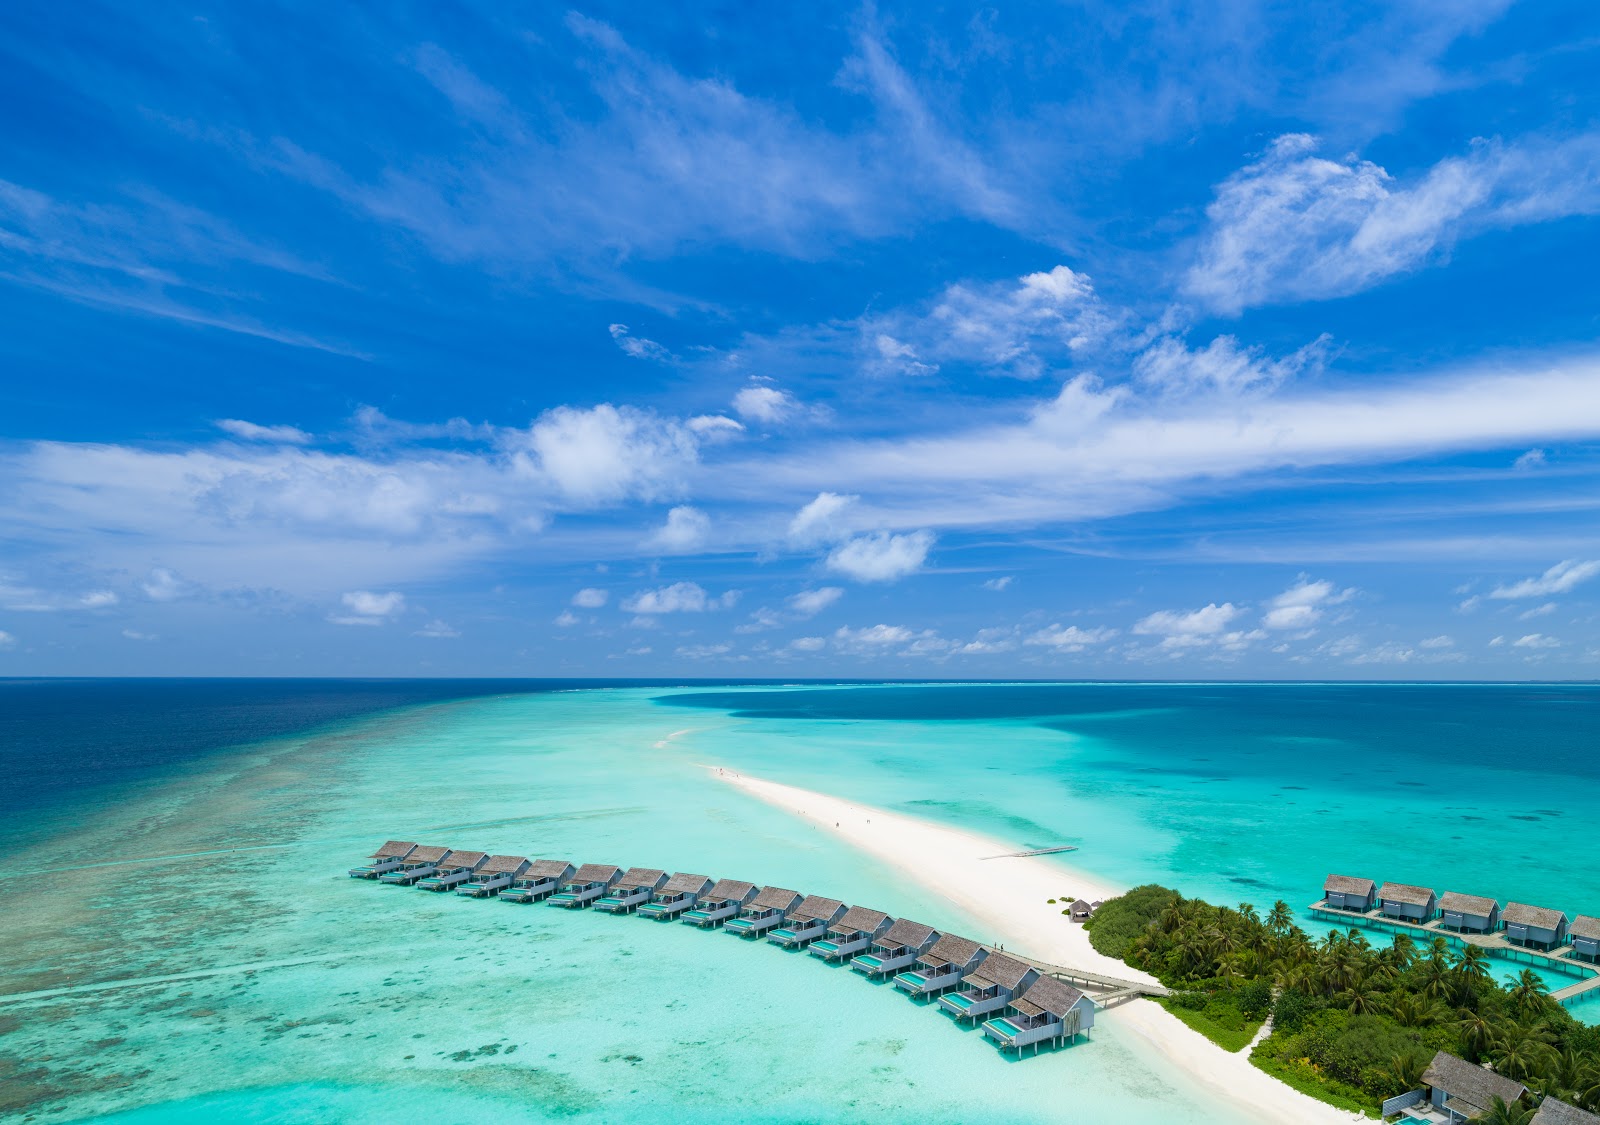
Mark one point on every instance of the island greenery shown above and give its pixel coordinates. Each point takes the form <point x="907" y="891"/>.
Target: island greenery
<point x="1352" y="1022"/>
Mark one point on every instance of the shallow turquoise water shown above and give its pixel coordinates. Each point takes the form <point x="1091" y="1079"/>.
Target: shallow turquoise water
<point x="378" y="1002"/>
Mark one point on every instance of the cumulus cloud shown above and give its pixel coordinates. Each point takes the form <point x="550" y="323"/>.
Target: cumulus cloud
<point x="438" y="629"/>
<point x="163" y="585"/>
<point x="566" y="619"/>
<point x="765" y="403"/>
<point x="820" y="520"/>
<point x="880" y="638"/>
<point x="1070" y="638"/>
<point x="1207" y="626"/>
<point x="638" y="347"/>
<point x="1535" y="640"/>
<point x="1170" y="367"/>
<point x="609" y="453"/>
<point x="1441" y="641"/>
<point x="590" y="598"/>
<point x="367" y="608"/>
<point x="809" y="603"/>
<point x="1301" y="605"/>
<point x="680" y="597"/>
<point x="1559" y="579"/>
<point x="250" y="431"/>
<point x="807" y="644"/>
<point x="999" y="583"/>
<point x="98" y="599"/>
<point x="686" y="529"/>
<point x="881" y="556"/>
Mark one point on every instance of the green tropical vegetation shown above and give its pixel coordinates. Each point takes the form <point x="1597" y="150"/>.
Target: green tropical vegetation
<point x="1353" y="1022"/>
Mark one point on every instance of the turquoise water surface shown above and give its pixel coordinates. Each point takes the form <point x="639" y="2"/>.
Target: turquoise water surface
<point x="329" y="999"/>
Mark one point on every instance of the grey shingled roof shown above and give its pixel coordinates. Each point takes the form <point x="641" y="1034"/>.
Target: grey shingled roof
<point x="1468" y="1085"/>
<point x="815" y="907"/>
<point x="427" y="853"/>
<point x="393" y="849"/>
<point x="502" y="864"/>
<point x="594" y="873"/>
<point x="1554" y="1111"/>
<point x="1347" y="885"/>
<point x="1047" y="995"/>
<point x="906" y="932"/>
<point x="640" y="877"/>
<point x="684" y="883"/>
<point x="860" y="919"/>
<point x="1585" y="926"/>
<point x="1007" y="972"/>
<point x="1538" y="916"/>
<point x="774" y="898"/>
<point x="548" y="869"/>
<point x="1459" y="903"/>
<point x="951" y="950"/>
<point x="726" y="889"/>
<point x="1406" y="893"/>
<point x="464" y="859"/>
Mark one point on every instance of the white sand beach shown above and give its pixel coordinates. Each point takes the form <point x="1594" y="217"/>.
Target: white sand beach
<point x="1011" y="895"/>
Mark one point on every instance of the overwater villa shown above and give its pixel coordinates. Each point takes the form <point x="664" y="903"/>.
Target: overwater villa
<point x="807" y="922"/>
<point x="990" y="987"/>
<point x="453" y="870"/>
<point x="1080" y="910"/>
<point x="1049" y="1011"/>
<point x="1468" y="914"/>
<point x="1554" y="1111"/>
<point x="1456" y="1090"/>
<point x="384" y="860"/>
<point x="632" y="890"/>
<point x="676" y="895"/>
<point x="1536" y="927"/>
<point x="539" y="881"/>
<point x="946" y="962"/>
<point x="898" y="948"/>
<point x="763" y="912"/>
<point x="418" y="864"/>
<point x="1406" y="903"/>
<point x="1584" y="934"/>
<point x="721" y="902"/>
<point x="851" y="934"/>
<point x="497" y="873"/>
<point x="589" y="882"/>
<point x="1346" y="892"/>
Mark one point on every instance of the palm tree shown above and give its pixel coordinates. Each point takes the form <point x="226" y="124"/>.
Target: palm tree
<point x="1518" y="1052"/>
<point x="1476" y="1033"/>
<point x="1499" y="1113"/>
<point x="1407" y="1070"/>
<point x="1411" y="1009"/>
<point x="1361" y="998"/>
<point x="1473" y="964"/>
<point x="1435" y="972"/>
<point x="1528" y="995"/>
<point x="1280" y="918"/>
<point x="1405" y="950"/>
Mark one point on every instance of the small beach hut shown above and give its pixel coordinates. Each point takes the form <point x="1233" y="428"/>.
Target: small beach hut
<point x="1050" y="1010"/>
<point x="384" y="860"/>
<point x="723" y="901"/>
<point x="1462" y="1091"/>
<point x="418" y="864"/>
<point x="497" y="873"/>
<point x="1536" y="927"/>
<point x="539" y="881"/>
<point x="1468" y="914"/>
<point x="898" y="948"/>
<point x="1584" y="934"/>
<point x="1080" y="910"/>
<point x="807" y="922"/>
<point x="453" y="870"/>
<point x="946" y="962"/>
<point x="1346" y="892"/>
<point x="990" y="987"/>
<point x="589" y="882"/>
<point x="676" y="895"/>
<point x="1554" y="1111"/>
<point x="767" y="909"/>
<point x="632" y="890"/>
<point x="1406" y="903"/>
<point x="851" y="934"/>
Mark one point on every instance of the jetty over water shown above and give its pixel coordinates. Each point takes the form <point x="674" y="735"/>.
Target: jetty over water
<point x="1028" y="1002"/>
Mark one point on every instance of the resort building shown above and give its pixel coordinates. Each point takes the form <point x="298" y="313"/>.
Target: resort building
<point x="1584" y="934"/>
<point x="539" y="881"/>
<point x="1080" y="911"/>
<point x="1554" y="1111"/>
<point x="767" y="909"/>
<point x="807" y="922"/>
<point x="676" y="895"/>
<point x="632" y="890"/>
<point x="494" y="876"/>
<point x="418" y="864"/>
<point x="1462" y="1091"/>
<point x="1468" y="914"/>
<point x="1346" y="892"/>
<point x="1051" y="1010"/>
<point x="589" y="882"/>
<point x="990" y="987"/>
<point x="898" y="948"/>
<point x="453" y="870"/>
<point x="1534" y="926"/>
<point x="1407" y="903"/>
<point x="946" y="962"/>
<point x="721" y="902"/>
<point x="851" y="934"/>
<point x="384" y="860"/>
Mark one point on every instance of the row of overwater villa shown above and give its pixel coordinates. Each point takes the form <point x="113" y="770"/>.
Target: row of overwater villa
<point x="1019" y="1005"/>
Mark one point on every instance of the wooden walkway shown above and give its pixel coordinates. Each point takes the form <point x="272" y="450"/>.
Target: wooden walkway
<point x="1107" y="990"/>
<point x="1035" y="851"/>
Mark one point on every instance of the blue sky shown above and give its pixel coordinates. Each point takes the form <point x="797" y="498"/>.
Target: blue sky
<point x="1024" y="340"/>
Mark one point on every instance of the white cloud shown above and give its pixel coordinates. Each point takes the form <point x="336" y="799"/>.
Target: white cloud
<point x="879" y="638"/>
<point x="438" y="629"/>
<point x="1533" y="459"/>
<point x="368" y="608"/>
<point x="686" y="529"/>
<point x="1441" y="641"/>
<point x="7" y="640"/>
<point x="135" y="635"/>
<point x="1301" y="605"/>
<point x="590" y="598"/>
<point x="819" y="521"/>
<point x="638" y="347"/>
<point x="1559" y="579"/>
<point x="896" y="357"/>
<point x="714" y="428"/>
<point x="249" y="431"/>
<point x="807" y="644"/>
<point x="1200" y="623"/>
<point x="703" y="652"/>
<point x="98" y="599"/>
<point x="680" y="597"/>
<point x="989" y="641"/>
<point x="608" y="453"/>
<point x="762" y="402"/>
<point x="1497" y="642"/>
<point x="566" y="619"/>
<point x="999" y="583"/>
<point x="1222" y="366"/>
<point x="1537" y="611"/>
<point x="881" y="556"/>
<point x="1071" y="638"/>
<point x="809" y="603"/>
<point x="1535" y="640"/>
<point x="163" y="585"/>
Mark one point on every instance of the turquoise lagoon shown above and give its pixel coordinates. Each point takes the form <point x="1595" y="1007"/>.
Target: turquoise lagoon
<point x="275" y="989"/>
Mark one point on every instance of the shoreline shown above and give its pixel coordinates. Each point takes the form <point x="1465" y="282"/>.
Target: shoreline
<point x="1010" y="895"/>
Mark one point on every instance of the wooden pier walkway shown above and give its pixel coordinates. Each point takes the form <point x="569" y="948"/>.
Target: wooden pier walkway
<point x="1105" y="990"/>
